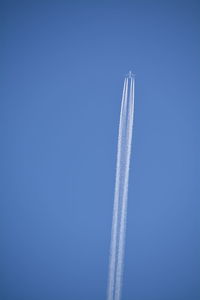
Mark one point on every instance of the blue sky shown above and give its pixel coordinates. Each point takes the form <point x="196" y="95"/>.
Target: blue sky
<point x="63" y="65"/>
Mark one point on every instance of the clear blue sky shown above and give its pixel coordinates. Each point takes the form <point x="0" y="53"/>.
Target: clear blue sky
<point x="62" y="70"/>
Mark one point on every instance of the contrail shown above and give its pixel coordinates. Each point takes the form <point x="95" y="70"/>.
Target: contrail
<point x="121" y="190"/>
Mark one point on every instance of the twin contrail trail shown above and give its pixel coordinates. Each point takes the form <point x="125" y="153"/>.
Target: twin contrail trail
<point x="121" y="190"/>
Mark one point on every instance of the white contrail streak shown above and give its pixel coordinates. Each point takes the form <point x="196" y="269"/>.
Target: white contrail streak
<point x="113" y="248"/>
<point x="121" y="190"/>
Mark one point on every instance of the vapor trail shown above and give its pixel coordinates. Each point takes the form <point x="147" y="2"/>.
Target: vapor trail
<point x="113" y="247"/>
<point x="121" y="190"/>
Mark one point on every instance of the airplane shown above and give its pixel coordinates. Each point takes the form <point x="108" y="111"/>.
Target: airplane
<point x="130" y="75"/>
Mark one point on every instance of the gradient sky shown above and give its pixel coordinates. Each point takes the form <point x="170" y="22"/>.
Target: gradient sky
<point x="62" y="70"/>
